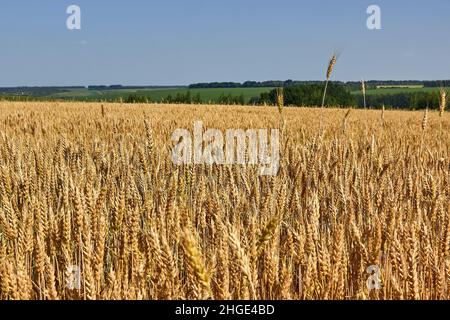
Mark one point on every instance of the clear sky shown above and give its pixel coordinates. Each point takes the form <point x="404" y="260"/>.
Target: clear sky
<point x="168" y="42"/>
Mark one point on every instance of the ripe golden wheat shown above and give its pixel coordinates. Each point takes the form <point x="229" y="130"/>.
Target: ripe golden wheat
<point x="92" y="187"/>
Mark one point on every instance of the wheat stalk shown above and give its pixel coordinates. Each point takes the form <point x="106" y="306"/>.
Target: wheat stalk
<point x="280" y="99"/>
<point x="331" y="65"/>
<point x="425" y="120"/>
<point x="195" y="261"/>
<point x="363" y="90"/>
<point x="442" y="101"/>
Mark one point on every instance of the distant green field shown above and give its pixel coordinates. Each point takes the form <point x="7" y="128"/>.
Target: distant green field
<point x="206" y="95"/>
<point x="397" y="90"/>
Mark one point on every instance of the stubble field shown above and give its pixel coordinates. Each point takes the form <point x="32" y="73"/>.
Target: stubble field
<point x="91" y="190"/>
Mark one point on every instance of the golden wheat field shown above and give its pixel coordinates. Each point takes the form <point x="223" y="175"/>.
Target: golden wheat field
<point x="92" y="187"/>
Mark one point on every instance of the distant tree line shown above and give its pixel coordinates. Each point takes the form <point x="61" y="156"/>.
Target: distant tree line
<point x="339" y="95"/>
<point x="231" y="100"/>
<point x="299" y="96"/>
<point x="436" y="84"/>
<point x="119" y="86"/>
<point x="309" y="95"/>
<point x="352" y="85"/>
<point x="250" y="84"/>
<point x="215" y="85"/>
<point x="188" y="98"/>
<point x="184" y="98"/>
<point x="374" y="84"/>
<point x="416" y="100"/>
<point x="35" y="91"/>
<point x="137" y="99"/>
<point x="179" y="98"/>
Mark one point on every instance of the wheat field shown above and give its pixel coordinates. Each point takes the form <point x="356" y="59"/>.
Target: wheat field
<point x="91" y="187"/>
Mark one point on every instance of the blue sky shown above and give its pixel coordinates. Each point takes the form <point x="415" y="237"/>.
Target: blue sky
<point x="170" y="42"/>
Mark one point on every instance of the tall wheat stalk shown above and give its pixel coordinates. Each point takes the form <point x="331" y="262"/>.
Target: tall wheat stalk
<point x="442" y="106"/>
<point x="442" y="102"/>
<point x="424" y="129"/>
<point x="331" y="65"/>
<point x="425" y="121"/>
<point x="363" y="90"/>
<point x="280" y="105"/>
